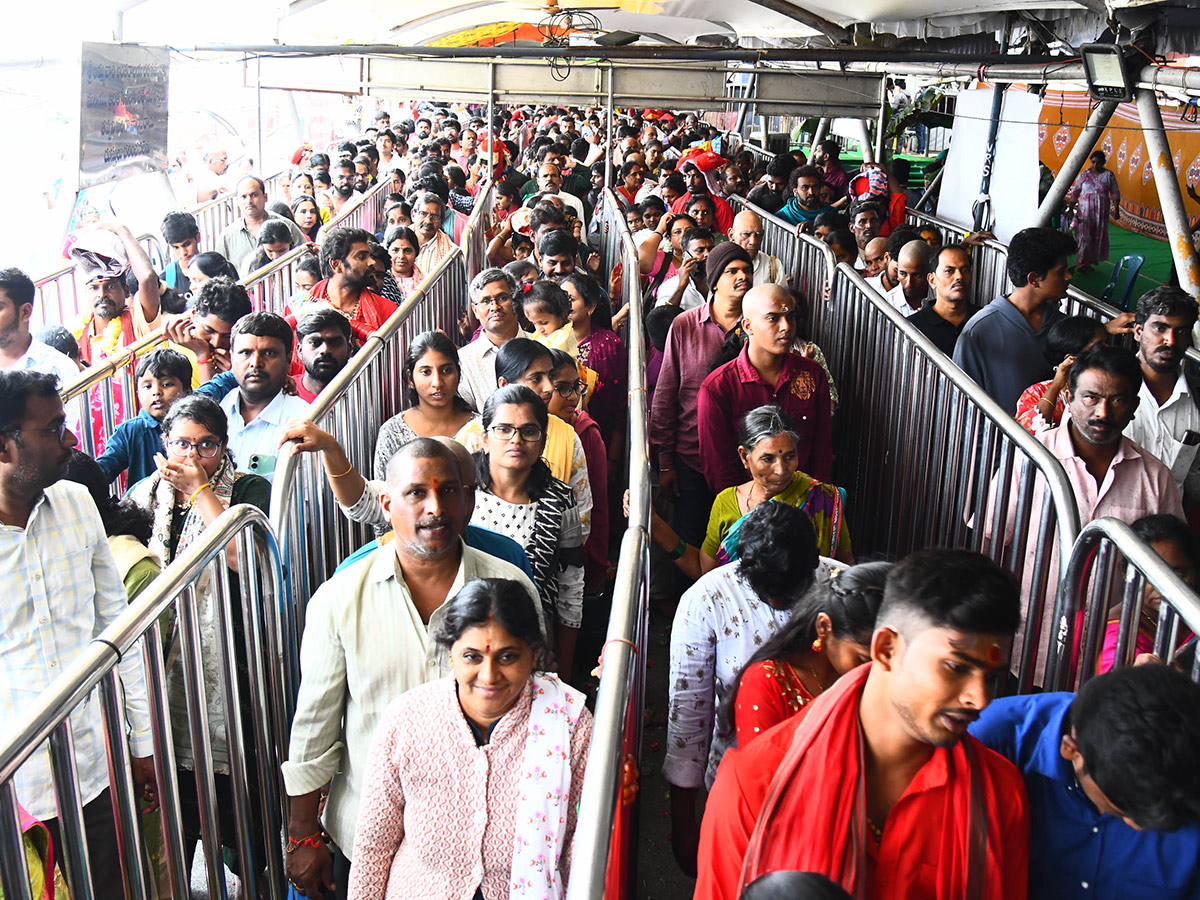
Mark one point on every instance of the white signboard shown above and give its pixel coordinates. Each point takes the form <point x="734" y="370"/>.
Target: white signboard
<point x="1014" y="183"/>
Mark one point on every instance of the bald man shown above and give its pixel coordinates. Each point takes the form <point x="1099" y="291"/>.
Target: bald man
<point x="875" y="261"/>
<point x="912" y="276"/>
<point x="766" y="371"/>
<point x="747" y="233"/>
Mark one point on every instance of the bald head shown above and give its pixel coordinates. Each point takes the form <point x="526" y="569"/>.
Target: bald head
<point x="747" y="232"/>
<point x="912" y="271"/>
<point x="875" y="256"/>
<point x="400" y="465"/>
<point x="767" y="319"/>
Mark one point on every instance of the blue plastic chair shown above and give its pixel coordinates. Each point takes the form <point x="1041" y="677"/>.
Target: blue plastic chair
<point x="1131" y="265"/>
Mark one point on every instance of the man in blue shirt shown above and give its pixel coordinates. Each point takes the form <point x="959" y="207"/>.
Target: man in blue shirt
<point x="1113" y="779"/>
<point x="1002" y="347"/>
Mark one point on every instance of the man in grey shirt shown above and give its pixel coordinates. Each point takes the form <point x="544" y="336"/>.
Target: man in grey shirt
<point x="241" y="238"/>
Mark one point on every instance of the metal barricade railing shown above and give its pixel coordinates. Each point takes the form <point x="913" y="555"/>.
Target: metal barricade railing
<point x="315" y="536"/>
<point x="604" y="847"/>
<point x="808" y="261"/>
<point x="271" y="287"/>
<point x="474" y="236"/>
<point x="255" y="746"/>
<point x="928" y="459"/>
<point x="1111" y="560"/>
<point x="61" y="296"/>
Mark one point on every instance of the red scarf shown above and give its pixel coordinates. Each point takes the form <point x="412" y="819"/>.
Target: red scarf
<point x="814" y="818"/>
<point x="128" y="336"/>
<point x="373" y="310"/>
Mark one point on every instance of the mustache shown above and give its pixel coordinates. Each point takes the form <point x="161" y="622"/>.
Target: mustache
<point x="433" y="522"/>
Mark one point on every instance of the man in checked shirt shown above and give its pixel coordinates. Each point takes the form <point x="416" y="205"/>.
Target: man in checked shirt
<point x="64" y="589"/>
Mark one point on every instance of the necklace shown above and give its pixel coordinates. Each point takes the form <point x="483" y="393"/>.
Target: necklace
<point x="816" y="679"/>
<point x="877" y="833"/>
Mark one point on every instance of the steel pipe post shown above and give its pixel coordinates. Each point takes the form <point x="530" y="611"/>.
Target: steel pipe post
<point x="1170" y="198"/>
<point x="1076" y="160"/>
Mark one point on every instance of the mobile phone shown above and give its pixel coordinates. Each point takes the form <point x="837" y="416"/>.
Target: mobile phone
<point x="261" y="464"/>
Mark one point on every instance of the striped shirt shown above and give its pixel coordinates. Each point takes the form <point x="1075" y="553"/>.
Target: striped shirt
<point x="68" y="591"/>
<point x="364" y="645"/>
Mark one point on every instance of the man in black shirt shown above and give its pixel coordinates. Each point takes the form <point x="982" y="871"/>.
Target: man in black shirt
<point x="942" y="319"/>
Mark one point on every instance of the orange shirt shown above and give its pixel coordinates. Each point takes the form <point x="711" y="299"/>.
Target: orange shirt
<point x="904" y="866"/>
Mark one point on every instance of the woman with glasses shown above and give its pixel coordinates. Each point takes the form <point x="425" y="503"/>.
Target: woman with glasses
<point x="519" y="497"/>
<point x="196" y="481"/>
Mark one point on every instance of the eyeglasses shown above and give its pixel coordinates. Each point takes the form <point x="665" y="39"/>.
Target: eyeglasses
<point x="429" y="217"/>
<point x="59" y="431"/>
<point x="528" y="433"/>
<point x="570" y="390"/>
<point x="204" y="449"/>
<point x="494" y="300"/>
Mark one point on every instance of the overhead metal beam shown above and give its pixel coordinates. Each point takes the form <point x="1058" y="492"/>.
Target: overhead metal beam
<point x="831" y="30"/>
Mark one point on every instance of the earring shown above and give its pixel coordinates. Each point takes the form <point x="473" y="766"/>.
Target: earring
<point x="817" y="645"/>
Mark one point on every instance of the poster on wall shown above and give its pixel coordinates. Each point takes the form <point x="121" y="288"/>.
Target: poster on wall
<point x="1014" y="181"/>
<point x="123" y="112"/>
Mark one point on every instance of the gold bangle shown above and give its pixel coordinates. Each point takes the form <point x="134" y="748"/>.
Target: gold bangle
<point x="344" y="474"/>
<point x="196" y="492"/>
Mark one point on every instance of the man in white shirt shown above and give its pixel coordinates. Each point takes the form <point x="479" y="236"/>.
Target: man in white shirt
<point x="366" y="641"/>
<point x="258" y="409"/>
<point x="240" y="239"/>
<point x="1167" y="420"/>
<point x="20" y="350"/>
<point x="549" y="181"/>
<point x="492" y="292"/>
<point x="55" y="556"/>
<point x="747" y="233"/>
<point x="912" y="275"/>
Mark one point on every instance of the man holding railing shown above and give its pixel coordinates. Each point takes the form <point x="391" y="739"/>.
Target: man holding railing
<point x="54" y="553"/>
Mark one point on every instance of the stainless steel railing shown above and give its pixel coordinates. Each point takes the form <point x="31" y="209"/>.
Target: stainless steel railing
<point x="605" y="856"/>
<point x="61" y="296"/>
<point x="474" y="236"/>
<point x="370" y="390"/>
<point x="214" y="216"/>
<point x="809" y="262"/>
<point x="255" y="747"/>
<point x="928" y="459"/>
<point x="1110" y="566"/>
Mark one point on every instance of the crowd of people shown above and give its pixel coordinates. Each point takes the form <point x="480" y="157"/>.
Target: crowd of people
<point x="841" y="717"/>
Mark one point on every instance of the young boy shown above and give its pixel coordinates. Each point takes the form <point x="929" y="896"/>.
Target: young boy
<point x="163" y="376"/>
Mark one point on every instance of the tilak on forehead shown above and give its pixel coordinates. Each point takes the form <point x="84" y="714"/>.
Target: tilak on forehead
<point x="995" y="654"/>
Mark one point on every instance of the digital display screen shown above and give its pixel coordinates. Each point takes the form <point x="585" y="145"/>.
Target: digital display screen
<point x="1106" y="69"/>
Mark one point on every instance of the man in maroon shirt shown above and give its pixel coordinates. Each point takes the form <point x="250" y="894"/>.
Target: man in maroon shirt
<point x="693" y="342"/>
<point x="766" y="371"/>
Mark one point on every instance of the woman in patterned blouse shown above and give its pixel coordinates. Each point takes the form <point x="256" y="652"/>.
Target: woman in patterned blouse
<point x="519" y="497"/>
<point x="828" y="635"/>
<point x="473" y="782"/>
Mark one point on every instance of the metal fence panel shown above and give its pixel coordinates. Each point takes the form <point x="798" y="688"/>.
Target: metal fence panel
<point x="257" y="745"/>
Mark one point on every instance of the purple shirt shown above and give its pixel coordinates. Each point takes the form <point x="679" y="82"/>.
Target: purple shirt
<point x="603" y="353"/>
<point x="693" y="342"/>
<point x="736" y="388"/>
<point x="837" y="179"/>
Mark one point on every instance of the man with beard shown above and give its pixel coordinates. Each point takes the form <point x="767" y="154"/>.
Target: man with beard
<point x="766" y="371"/>
<point x="56" y="558"/>
<point x="1167" y="421"/>
<point x="113" y="322"/>
<point x="492" y="292"/>
<point x="240" y="239"/>
<point x="865" y="220"/>
<point x="429" y="212"/>
<point x="942" y="318"/>
<point x="697" y="186"/>
<point x="258" y="409"/>
<point x="366" y="641"/>
<point x="324" y="344"/>
<point x="348" y="287"/>
<point x="805" y="205"/>
<point x="341" y="190"/>
<point x="876" y="784"/>
<point x="825" y="158"/>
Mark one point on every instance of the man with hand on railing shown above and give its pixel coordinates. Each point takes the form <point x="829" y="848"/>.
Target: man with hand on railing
<point x="1112" y="781"/>
<point x="68" y="589"/>
<point x="1167" y="421"/>
<point x="351" y="673"/>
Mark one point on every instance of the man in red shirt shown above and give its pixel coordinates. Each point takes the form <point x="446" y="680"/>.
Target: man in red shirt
<point x="876" y="784"/>
<point x="324" y="343"/>
<point x="766" y="371"/>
